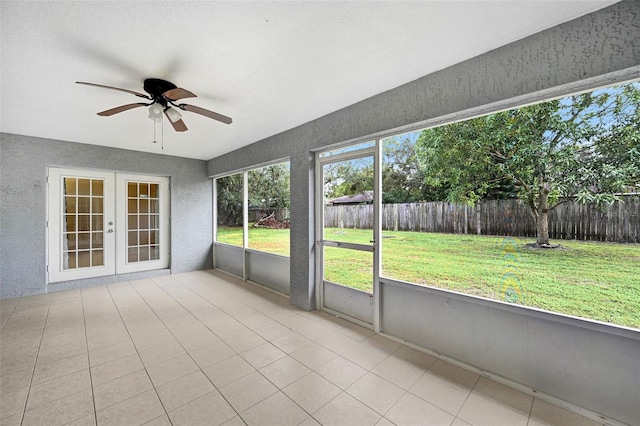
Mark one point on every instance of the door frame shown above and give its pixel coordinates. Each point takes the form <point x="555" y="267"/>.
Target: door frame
<point x="376" y="153"/>
<point x="115" y="220"/>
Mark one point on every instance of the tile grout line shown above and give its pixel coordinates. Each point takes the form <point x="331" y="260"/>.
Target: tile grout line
<point x="51" y="319"/>
<point x="86" y="340"/>
<point x="226" y="294"/>
<point x="309" y="373"/>
<point x="185" y="350"/>
<point x="468" y="396"/>
<point x="405" y="391"/>
<point x="10" y="314"/>
<point x="408" y="391"/>
<point x="222" y="340"/>
<point x="256" y="369"/>
<point x="211" y="303"/>
<point x="533" y="400"/>
<point x="137" y="353"/>
<point x="314" y="370"/>
<point x="24" y="411"/>
<point x="237" y="353"/>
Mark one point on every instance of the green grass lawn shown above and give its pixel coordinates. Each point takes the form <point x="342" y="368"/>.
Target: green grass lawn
<point x="592" y="280"/>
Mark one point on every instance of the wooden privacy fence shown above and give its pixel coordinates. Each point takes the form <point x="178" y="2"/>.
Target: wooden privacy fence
<point x="619" y="222"/>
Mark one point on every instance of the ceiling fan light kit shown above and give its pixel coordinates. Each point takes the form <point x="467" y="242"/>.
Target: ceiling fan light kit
<point x="163" y="95"/>
<point x="173" y="115"/>
<point x="155" y="112"/>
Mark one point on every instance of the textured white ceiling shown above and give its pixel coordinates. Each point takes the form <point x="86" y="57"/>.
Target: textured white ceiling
<point x="270" y="66"/>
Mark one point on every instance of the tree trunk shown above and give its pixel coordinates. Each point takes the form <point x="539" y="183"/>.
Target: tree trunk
<point x="542" y="218"/>
<point x="542" y="228"/>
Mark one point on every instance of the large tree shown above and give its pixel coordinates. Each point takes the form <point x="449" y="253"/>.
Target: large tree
<point x="584" y="147"/>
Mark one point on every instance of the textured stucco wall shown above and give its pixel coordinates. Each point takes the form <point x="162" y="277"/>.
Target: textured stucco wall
<point x="23" y="163"/>
<point x="301" y="238"/>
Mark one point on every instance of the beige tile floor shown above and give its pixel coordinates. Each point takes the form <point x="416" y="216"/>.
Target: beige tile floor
<point x="205" y="349"/>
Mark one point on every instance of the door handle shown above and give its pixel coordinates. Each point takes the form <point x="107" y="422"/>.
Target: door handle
<point x="110" y="231"/>
<point x="330" y="243"/>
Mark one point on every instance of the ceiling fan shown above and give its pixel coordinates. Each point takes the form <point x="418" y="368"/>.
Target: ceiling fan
<point x="163" y="96"/>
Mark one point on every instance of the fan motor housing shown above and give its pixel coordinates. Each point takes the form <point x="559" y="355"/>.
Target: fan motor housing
<point x="156" y="87"/>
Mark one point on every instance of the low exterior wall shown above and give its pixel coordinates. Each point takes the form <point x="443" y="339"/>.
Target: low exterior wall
<point x="591" y="365"/>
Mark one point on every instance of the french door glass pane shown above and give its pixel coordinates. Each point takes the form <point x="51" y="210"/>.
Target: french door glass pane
<point x="132" y="254"/>
<point x="142" y="227"/>
<point x="154" y="252"/>
<point x="70" y="241"/>
<point x="97" y="188"/>
<point x="97" y="240"/>
<point x="84" y="259"/>
<point x="97" y="258"/>
<point x="82" y="222"/>
<point x="84" y="204"/>
<point x="70" y="204"/>
<point x="84" y="186"/>
<point x="98" y="222"/>
<point x="84" y="241"/>
<point x="154" y="190"/>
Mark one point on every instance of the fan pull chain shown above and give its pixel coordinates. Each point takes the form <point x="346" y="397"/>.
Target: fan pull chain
<point x="155" y="140"/>
<point x="157" y="123"/>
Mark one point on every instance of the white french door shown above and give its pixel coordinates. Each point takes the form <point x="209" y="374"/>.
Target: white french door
<point x="142" y="213"/>
<point x="81" y="224"/>
<point x="102" y="223"/>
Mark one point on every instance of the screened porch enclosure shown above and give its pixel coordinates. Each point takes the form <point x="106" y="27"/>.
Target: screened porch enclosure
<point x="527" y="346"/>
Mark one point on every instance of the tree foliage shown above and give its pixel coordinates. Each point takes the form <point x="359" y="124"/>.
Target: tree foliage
<point x="229" y="200"/>
<point x="585" y="146"/>
<point x="268" y="190"/>
<point x="269" y="187"/>
<point x="402" y="178"/>
<point x="348" y="177"/>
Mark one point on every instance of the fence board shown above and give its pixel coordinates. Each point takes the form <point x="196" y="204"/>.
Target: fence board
<point x="619" y="222"/>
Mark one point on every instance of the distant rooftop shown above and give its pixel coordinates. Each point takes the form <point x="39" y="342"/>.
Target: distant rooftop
<point x="363" y="197"/>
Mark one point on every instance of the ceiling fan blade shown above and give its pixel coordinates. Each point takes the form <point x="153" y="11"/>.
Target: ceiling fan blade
<point x="178" y="126"/>
<point x="142" y="95"/>
<point x="177" y="94"/>
<point x="206" y="113"/>
<point x="121" y="108"/>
